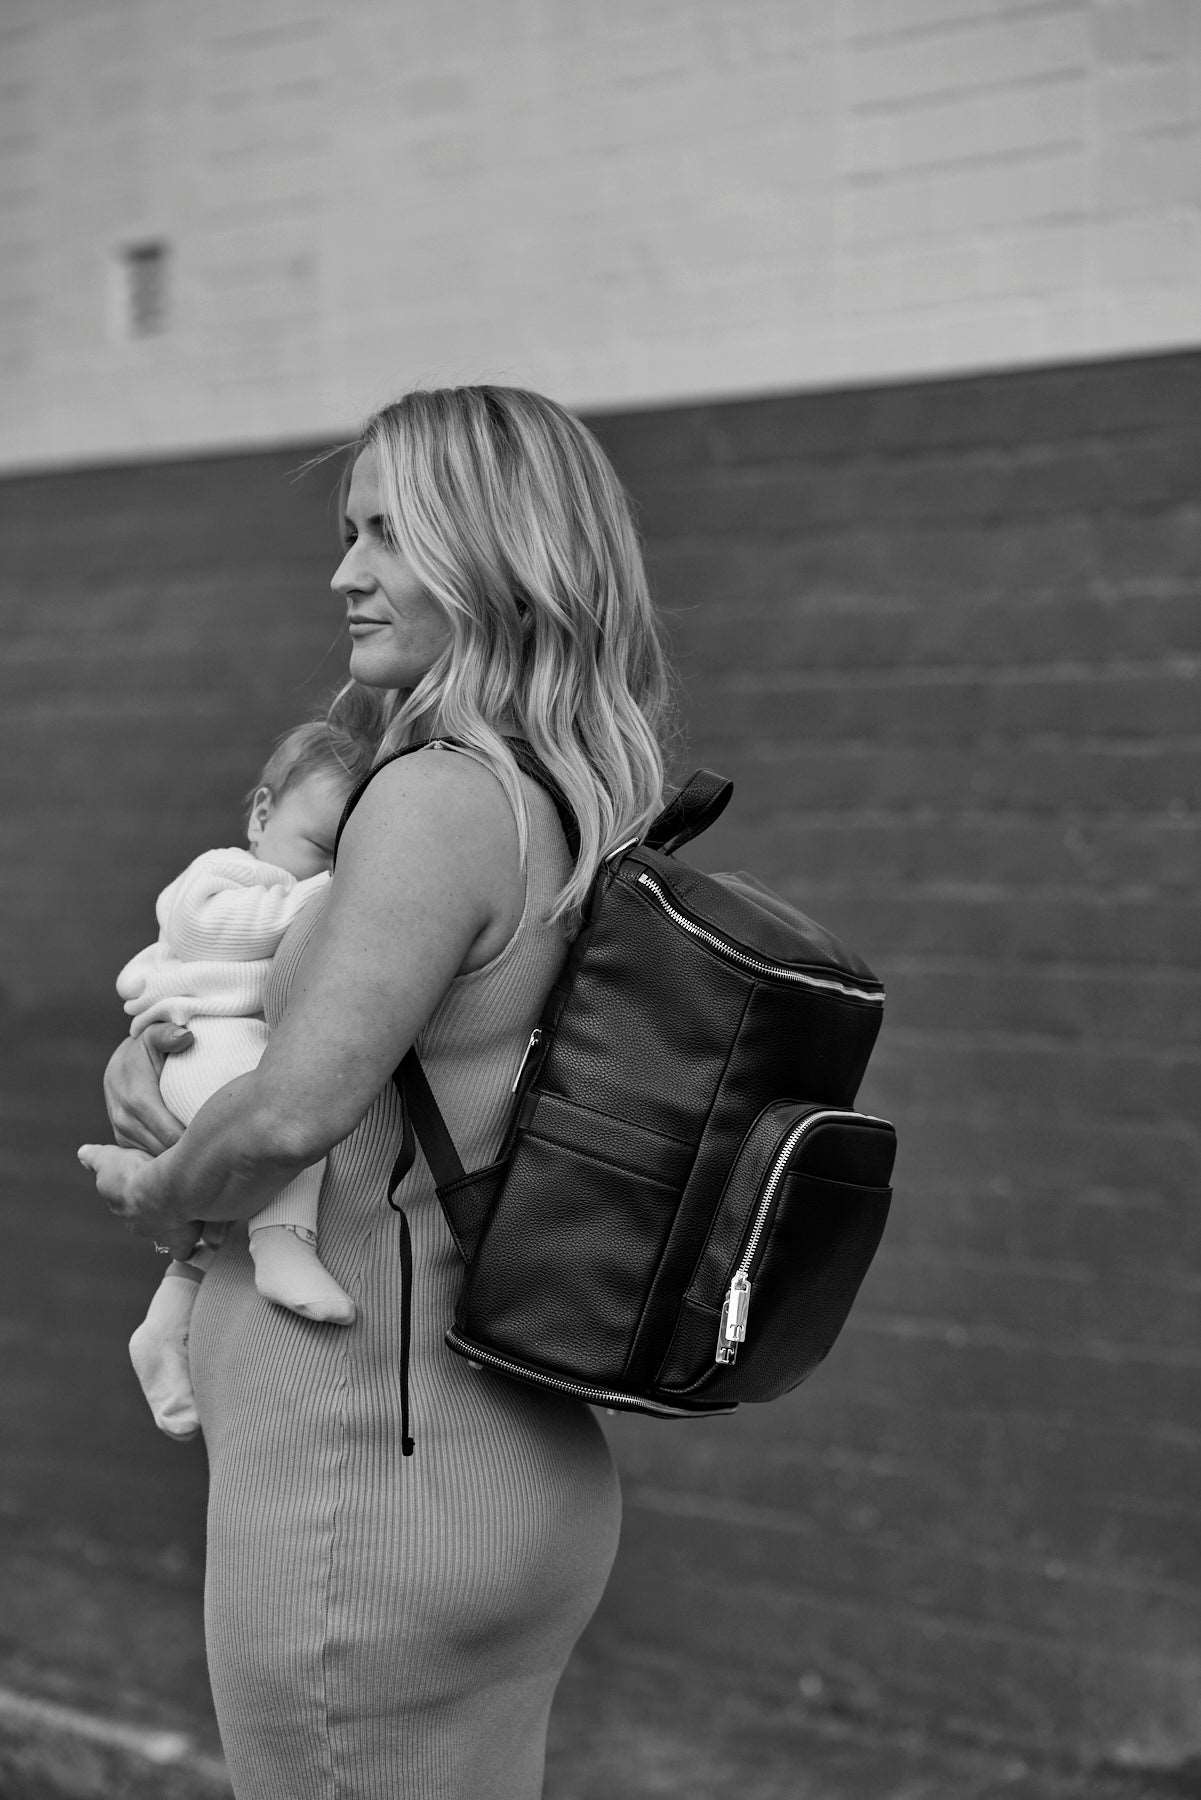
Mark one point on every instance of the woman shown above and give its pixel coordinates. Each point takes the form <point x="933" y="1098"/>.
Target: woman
<point x="382" y="1624"/>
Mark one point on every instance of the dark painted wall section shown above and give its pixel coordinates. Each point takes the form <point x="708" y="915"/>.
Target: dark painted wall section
<point x="945" y="637"/>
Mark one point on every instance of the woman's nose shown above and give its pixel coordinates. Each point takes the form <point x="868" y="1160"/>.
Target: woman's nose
<point x="347" y="578"/>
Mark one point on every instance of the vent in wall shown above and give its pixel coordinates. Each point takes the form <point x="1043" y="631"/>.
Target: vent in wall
<point x="144" y="297"/>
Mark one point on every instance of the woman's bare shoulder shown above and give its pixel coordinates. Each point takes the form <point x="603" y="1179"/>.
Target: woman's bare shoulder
<point x="434" y="833"/>
<point x="437" y="788"/>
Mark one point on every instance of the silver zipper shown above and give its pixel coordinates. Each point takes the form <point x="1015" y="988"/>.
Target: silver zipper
<point x="580" y="1389"/>
<point x="744" y="958"/>
<point x="615" y="855"/>
<point x="535" y="1040"/>
<point x="732" y="1330"/>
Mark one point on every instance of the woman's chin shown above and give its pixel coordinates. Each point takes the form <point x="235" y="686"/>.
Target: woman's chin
<point x="373" y="671"/>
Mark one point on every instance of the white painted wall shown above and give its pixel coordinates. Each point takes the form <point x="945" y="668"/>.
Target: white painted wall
<point x="621" y="201"/>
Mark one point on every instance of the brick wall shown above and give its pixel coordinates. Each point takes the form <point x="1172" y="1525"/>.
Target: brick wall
<point x="945" y="639"/>
<point x="621" y="204"/>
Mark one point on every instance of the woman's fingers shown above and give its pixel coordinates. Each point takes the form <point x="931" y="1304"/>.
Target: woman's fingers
<point x="139" y="1119"/>
<point x="116" y="1171"/>
<point x="179" y="1242"/>
<point x="166" y="1040"/>
<point x="119" y="1182"/>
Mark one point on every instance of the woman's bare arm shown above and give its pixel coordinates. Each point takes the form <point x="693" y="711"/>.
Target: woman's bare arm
<point x="428" y="885"/>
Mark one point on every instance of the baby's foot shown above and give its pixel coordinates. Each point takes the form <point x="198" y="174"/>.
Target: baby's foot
<point x="288" y="1271"/>
<point x="158" y="1350"/>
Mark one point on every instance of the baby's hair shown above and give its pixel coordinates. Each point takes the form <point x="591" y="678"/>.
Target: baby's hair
<point x="341" y="742"/>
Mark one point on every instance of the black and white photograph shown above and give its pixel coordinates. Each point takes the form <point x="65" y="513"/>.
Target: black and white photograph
<point x="600" y="1010"/>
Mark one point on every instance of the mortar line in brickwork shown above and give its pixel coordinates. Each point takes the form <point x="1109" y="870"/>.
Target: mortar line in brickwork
<point x="893" y="106"/>
<point x="1082" y="1277"/>
<point x="954" y="1336"/>
<point x="1185" y="665"/>
<point x="668" y="1503"/>
<point x="1012" y="161"/>
<point x="977" y="892"/>
<point x="1088" y="1201"/>
<point x="999" y="1037"/>
<point x="772" y="751"/>
<point x="966" y="962"/>
<point x="1052" y="1570"/>
<point x="970" y="809"/>
<point x="1159" y="1434"/>
<point x="930" y="1253"/>
<point x="987" y="1118"/>
<point x="1025" y="10"/>
<point x="944" y="1625"/>
<point x="1161" y="744"/>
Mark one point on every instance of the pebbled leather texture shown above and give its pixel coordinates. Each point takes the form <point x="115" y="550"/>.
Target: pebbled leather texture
<point x="697" y="1019"/>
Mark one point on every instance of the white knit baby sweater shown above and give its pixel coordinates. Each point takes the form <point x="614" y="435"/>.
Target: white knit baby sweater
<point x="220" y="923"/>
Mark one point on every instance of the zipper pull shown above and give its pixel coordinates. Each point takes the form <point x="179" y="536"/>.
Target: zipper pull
<point x="732" y="1330"/>
<point x="523" y="1065"/>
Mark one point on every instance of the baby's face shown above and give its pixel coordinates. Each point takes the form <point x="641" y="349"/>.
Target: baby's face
<point x="296" y="832"/>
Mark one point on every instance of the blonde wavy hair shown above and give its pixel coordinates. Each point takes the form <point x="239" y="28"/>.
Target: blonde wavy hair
<point x="512" y="518"/>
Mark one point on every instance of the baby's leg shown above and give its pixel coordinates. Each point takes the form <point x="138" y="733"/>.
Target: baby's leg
<point x="283" y="1243"/>
<point x="283" y="1237"/>
<point x="158" y="1350"/>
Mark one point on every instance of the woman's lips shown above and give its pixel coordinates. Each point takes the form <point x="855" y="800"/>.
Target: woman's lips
<point x="359" y="625"/>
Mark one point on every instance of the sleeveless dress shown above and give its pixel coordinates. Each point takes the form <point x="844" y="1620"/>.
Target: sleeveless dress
<point x="382" y="1625"/>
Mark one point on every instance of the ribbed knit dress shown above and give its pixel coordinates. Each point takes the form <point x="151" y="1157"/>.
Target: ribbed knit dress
<point x="383" y="1627"/>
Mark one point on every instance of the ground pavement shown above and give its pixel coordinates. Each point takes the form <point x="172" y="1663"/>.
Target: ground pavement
<point x="102" y="1697"/>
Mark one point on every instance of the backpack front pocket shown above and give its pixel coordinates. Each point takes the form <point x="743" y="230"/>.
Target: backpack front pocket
<point x="790" y="1242"/>
<point x="568" y="1251"/>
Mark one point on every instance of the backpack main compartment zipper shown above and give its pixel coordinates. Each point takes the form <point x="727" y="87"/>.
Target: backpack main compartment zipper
<point x="746" y="959"/>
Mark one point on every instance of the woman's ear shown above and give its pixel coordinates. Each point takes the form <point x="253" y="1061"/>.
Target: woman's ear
<point x="260" y="812"/>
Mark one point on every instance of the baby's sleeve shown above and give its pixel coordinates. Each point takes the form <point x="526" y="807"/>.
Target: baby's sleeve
<point x="229" y="906"/>
<point x="136" y="976"/>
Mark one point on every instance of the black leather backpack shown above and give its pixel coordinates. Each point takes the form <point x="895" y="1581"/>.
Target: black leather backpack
<point x="686" y="1202"/>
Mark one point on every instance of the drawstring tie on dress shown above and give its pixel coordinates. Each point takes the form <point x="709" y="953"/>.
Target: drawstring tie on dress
<point x="400" y="1169"/>
<point x="420" y="1109"/>
<point x="406" y="1325"/>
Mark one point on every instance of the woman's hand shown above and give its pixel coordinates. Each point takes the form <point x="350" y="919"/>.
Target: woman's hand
<point x="136" y="1112"/>
<point x="127" y="1183"/>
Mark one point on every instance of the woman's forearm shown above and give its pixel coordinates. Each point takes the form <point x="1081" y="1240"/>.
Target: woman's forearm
<point x="234" y="1157"/>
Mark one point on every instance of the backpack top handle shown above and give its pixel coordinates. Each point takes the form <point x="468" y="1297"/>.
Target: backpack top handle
<point x="699" y="802"/>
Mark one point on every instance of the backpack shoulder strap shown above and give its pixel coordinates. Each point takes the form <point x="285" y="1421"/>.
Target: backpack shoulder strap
<point x="529" y="765"/>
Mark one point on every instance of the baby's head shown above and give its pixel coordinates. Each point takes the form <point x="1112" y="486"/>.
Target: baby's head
<point x="295" y="808"/>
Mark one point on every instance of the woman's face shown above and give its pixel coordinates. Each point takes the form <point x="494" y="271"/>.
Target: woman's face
<point x="396" y="631"/>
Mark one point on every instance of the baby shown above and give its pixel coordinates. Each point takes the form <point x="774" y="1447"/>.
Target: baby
<point x="220" y="923"/>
